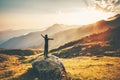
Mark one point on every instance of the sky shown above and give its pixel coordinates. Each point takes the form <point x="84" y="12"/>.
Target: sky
<point x="30" y="14"/>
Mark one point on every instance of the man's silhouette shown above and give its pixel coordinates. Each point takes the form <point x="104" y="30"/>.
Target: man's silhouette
<point x="46" y="44"/>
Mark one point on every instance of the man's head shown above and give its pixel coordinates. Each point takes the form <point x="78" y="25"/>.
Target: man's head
<point x="46" y="35"/>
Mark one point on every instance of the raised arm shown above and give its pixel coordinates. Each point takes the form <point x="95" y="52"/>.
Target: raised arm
<point x="42" y="36"/>
<point x="50" y="38"/>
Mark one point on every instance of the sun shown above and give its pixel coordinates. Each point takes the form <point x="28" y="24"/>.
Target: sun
<point x="83" y="16"/>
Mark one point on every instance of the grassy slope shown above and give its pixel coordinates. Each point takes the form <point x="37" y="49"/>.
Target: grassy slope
<point x="14" y="66"/>
<point x="93" y="68"/>
<point x="95" y="44"/>
<point x="85" y="68"/>
<point x="15" y="63"/>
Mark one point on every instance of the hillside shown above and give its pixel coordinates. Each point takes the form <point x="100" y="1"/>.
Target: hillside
<point x="73" y="34"/>
<point x="104" y="43"/>
<point x="20" y="52"/>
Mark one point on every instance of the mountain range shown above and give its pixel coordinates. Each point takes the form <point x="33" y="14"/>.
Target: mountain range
<point x="32" y="39"/>
<point x="62" y="34"/>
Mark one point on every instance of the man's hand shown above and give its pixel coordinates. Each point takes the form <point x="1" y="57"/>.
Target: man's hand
<point x="42" y="36"/>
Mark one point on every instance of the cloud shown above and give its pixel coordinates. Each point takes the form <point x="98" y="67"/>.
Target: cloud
<point x="107" y="5"/>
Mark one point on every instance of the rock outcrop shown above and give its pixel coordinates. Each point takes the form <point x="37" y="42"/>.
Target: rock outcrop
<point x="50" y="68"/>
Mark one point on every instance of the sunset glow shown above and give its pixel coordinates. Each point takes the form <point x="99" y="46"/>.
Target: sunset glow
<point x="83" y="16"/>
<point x="40" y="14"/>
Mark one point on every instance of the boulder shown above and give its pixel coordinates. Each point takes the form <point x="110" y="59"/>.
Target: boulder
<point x="50" y="68"/>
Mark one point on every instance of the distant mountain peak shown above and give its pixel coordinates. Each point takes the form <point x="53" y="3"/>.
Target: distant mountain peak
<point x="114" y="21"/>
<point x="118" y="15"/>
<point x="114" y="17"/>
<point x="56" y="24"/>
